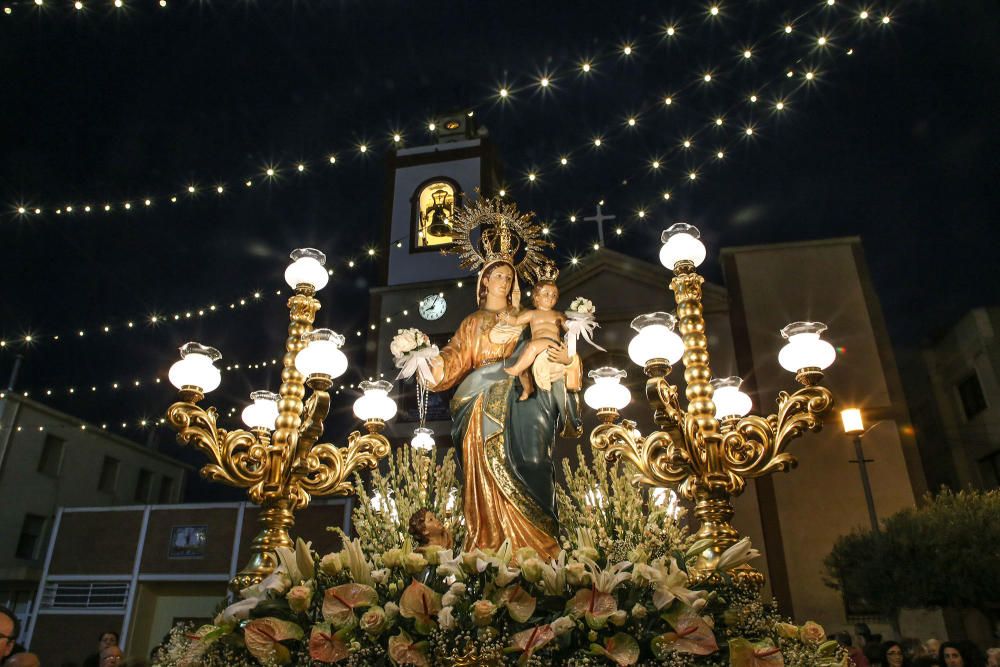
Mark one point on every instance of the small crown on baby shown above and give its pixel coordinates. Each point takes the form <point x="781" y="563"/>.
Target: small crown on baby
<point x="548" y="272"/>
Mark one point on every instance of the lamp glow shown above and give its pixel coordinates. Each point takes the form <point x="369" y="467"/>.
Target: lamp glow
<point x="423" y="438"/>
<point x="853" y="424"/>
<point x="655" y="339"/>
<point x="307" y="269"/>
<point x="607" y="392"/>
<point x="729" y="400"/>
<point x="681" y="243"/>
<point x="262" y="413"/>
<point x="805" y="349"/>
<point x="196" y="368"/>
<point x="375" y="403"/>
<point x="322" y="356"/>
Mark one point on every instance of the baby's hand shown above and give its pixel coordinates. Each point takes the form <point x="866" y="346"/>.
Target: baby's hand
<point x="506" y="318"/>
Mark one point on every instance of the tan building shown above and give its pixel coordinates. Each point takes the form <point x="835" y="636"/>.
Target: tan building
<point x="49" y="459"/>
<point x="139" y="570"/>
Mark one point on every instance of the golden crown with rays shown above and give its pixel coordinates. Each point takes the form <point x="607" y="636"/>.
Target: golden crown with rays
<point x="505" y="234"/>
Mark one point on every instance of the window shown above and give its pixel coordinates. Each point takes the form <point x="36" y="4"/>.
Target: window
<point x="166" y="490"/>
<point x="970" y="392"/>
<point x="143" y="486"/>
<point x="30" y="542"/>
<point x="109" y="475"/>
<point x="85" y="595"/>
<point x="52" y="453"/>
<point x="433" y="208"/>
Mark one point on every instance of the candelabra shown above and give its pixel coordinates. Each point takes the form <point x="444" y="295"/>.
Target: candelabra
<point x="278" y="459"/>
<point x="710" y="449"/>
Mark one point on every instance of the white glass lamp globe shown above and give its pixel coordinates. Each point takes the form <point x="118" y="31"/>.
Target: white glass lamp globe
<point x="607" y="392"/>
<point x="681" y="243"/>
<point x="262" y="413"/>
<point x="322" y="356"/>
<point x="729" y="400"/>
<point x="423" y="438"/>
<point x="196" y="368"/>
<point x="853" y="423"/>
<point x="805" y="348"/>
<point x="307" y="268"/>
<point x="375" y="402"/>
<point x="655" y="339"/>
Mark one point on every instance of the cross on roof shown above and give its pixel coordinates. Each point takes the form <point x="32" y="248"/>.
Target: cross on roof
<point x="599" y="218"/>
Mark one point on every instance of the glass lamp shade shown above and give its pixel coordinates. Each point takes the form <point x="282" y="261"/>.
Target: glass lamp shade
<point x="607" y="392"/>
<point x="655" y="339"/>
<point x="681" y="243"/>
<point x="805" y="349"/>
<point x="423" y="438"/>
<point x="322" y="355"/>
<point x="263" y="412"/>
<point x="375" y="402"/>
<point x="196" y="368"/>
<point x="853" y="424"/>
<point x="307" y="268"/>
<point x="729" y="400"/>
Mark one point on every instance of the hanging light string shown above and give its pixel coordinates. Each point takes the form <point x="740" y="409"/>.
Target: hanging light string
<point x="115" y="326"/>
<point x="505" y="94"/>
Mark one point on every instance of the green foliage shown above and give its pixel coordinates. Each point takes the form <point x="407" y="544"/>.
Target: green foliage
<point x="943" y="553"/>
<point x="603" y="500"/>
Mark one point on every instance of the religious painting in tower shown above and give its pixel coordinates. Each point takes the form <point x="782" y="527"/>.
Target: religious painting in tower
<point x="433" y="207"/>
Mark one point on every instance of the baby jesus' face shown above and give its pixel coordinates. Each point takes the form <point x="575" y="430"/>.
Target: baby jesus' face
<point x="545" y="296"/>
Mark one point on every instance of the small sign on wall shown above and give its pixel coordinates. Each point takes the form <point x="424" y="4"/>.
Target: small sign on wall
<point x="187" y="541"/>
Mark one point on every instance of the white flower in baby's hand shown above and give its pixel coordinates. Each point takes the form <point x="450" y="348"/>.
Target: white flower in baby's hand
<point x="582" y="305"/>
<point x="408" y="340"/>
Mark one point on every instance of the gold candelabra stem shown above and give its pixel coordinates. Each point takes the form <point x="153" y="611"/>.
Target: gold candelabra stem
<point x="708" y="461"/>
<point x="281" y="472"/>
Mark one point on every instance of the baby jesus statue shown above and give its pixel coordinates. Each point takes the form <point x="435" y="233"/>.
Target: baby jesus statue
<point x="546" y="332"/>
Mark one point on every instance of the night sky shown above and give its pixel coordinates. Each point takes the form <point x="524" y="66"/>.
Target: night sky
<point x="896" y="142"/>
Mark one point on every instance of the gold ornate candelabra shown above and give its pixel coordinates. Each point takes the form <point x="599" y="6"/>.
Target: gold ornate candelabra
<point x="278" y="459"/>
<point x="711" y="449"/>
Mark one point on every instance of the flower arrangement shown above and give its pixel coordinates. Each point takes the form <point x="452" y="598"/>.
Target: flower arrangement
<point x="412" y="351"/>
<point x="580" y="322"/>
<point x="619" y="593"/>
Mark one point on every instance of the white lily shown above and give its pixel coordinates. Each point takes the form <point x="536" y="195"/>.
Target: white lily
<point x="275" y="584"/>
<point x="554" y="575"/>
<point x="237" y="611"/>
<point x="298" y="562"/>
<point x="451" y="566"/>
<point x="361" y="569"/>
<point x="670" y="583"/>
<point x="607" y="580"/>
<point x="736" y="555"/>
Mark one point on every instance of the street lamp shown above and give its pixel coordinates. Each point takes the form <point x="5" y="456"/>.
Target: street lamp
<point x="709" y="449"/>
<point x="278" y="460"/>
<point x="854" y="426"/>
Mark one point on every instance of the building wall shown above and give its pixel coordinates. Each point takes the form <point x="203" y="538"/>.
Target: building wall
<point x="822" y="499"/>
<point x="967" y="352"/>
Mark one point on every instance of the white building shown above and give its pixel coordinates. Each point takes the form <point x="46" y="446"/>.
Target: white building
<point x="49" y="459"/>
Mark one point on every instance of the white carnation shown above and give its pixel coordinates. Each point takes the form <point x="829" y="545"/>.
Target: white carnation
<point x="406" y="341"/>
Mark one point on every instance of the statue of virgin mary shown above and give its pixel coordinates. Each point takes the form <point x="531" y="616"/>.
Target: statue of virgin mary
<point x="506" y="444"/>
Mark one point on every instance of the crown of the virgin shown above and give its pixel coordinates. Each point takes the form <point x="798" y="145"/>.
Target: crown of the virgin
<point x="505" y="234"/>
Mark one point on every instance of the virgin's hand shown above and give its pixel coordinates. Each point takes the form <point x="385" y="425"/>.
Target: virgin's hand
<point x="558" y="354"/>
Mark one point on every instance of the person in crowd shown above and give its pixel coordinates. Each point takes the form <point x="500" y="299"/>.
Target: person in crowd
<point x="926" y="660"/>
<point x="107" y="639"/>
<point x="933" y="647"/>
<point x="871" y="644"/>
<point x="856" y="655"/>
<point x="10" y="628"/>
<point x="960" y="654"/>
<point x="912" y="648"/>
<point x="23" y="659"/>
<point x="993" y="657"/>
<point x="112" y="657"/>
<point x="893" y="655"/>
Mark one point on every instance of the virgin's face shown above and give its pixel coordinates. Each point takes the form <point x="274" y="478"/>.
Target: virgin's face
<point x="952" y="658"/>
<point x="499" y="282"/>
<point x="894" y="656"/>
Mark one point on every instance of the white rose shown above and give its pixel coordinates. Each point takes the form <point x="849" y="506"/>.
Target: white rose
<point x="562" y="625"/>
<point x="446" y="619"/>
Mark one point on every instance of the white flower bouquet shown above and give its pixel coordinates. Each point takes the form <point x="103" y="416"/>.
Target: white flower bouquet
<point x="580" y="321"/>
<point x="412" y="351"/>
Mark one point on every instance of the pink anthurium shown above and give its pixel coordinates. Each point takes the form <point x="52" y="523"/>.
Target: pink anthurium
<point x="404" y="651"/>
<point x="422" y="604"/>
<point x="339" y="602"/>
<point x="326" y="645"/>
<point x="743" y="653"/>
<point x="622" y="649"/>
<point x="691" y="634"/>
<point x="263" y="637"/>
<point x="529" y="641"/>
